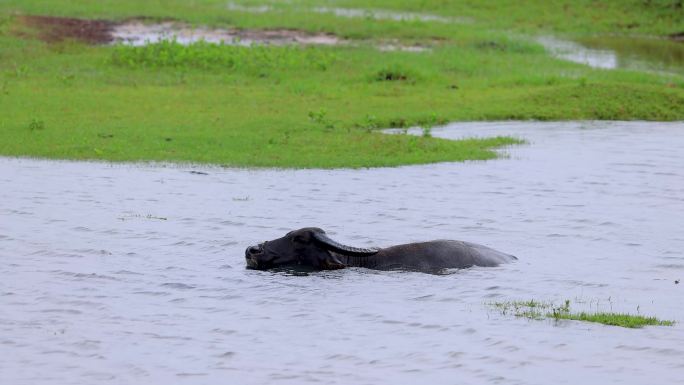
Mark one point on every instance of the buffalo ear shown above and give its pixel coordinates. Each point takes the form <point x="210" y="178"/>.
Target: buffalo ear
<point x="331" y="262"/>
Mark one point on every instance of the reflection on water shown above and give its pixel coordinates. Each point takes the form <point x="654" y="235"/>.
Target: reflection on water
<point x="655" y="54"/>
<point x="124" y="273"/>
<point x="136" y="33"/>
<point x="383" y="14"/>
<point x="611" y="52"/>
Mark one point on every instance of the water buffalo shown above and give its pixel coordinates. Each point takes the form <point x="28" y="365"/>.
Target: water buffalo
<point x="310" y="247"/>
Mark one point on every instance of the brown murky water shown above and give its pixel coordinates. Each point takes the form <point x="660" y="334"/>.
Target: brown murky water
<point x="133" y="273"/>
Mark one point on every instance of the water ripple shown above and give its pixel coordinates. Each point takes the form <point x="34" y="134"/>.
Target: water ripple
<point x="593" y="211"/>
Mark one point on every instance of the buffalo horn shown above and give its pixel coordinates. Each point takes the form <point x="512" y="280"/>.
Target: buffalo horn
<point x="343" y="249"/>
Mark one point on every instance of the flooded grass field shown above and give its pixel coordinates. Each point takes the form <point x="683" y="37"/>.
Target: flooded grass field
<point x="135" y="273"/>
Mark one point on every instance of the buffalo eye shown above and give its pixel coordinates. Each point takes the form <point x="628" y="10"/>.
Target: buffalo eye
<point x="303" y="237"/>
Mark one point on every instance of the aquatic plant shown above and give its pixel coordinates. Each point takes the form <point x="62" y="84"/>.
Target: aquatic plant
<point x="539" y="310"/>
<point x="427" y="124"/>
<point x="615" y="319"/>
<point x="527" y="309"/>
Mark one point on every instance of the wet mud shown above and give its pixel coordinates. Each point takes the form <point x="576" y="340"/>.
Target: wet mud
<point x="679" y="36"/>
<point x="56" y="29"/>
<point x="140" y="31"/>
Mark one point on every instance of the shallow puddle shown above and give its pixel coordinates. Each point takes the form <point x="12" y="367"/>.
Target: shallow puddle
<point x="642" y="53"/>
<point x="138" y="33"/>
<point x="130" y="273"/>
<point x="381" y="14"/>
<point x="263" y="8"/>
<point x="651" y="54"/>
<point x="376" y="14"/>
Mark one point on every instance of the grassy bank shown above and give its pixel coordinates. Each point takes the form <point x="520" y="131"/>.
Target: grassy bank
<point x="538" y="310"/>
<point x="305" y="106"/>
<point x="653" y="17"/>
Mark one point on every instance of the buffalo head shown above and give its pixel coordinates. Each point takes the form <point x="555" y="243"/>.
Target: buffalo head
<point x="308" y="247"/>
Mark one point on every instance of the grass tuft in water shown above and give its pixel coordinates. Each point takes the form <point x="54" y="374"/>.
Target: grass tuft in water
<point x="538" y="310"/>
<point x="615" y="319"/>
<point x="527" y="309"/>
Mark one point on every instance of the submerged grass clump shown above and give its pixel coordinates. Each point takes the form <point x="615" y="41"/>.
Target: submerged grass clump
<point x="538" y="310"/>
<point x="615" y="319"/>
<point x="527" y="309"/>
<point x="203" y="55"/>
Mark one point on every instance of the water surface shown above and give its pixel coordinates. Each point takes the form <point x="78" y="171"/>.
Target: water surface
<point x="130" y="273"/>
<point x="623" y="52"/>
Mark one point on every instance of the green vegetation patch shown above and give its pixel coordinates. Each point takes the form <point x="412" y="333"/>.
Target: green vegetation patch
<point x="538" y="310"/>
<point x="314" y="106"/>
<point x="208" y="56"/>
<point x="571" y="16"/>
<point x="615" y="319"/>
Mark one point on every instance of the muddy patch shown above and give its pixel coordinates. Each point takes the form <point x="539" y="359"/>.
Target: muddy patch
<point x="139" y="32"/>
<point x="56" y="29"/>
<point x="679" y="36"/>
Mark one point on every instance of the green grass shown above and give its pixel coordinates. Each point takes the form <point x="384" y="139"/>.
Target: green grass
<point x="654" y="17"/>
<point x="537" y="310"/>
<point x="616" y="319"/>
<point x="314" y="106"/>
<point x="256" y="60"/>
